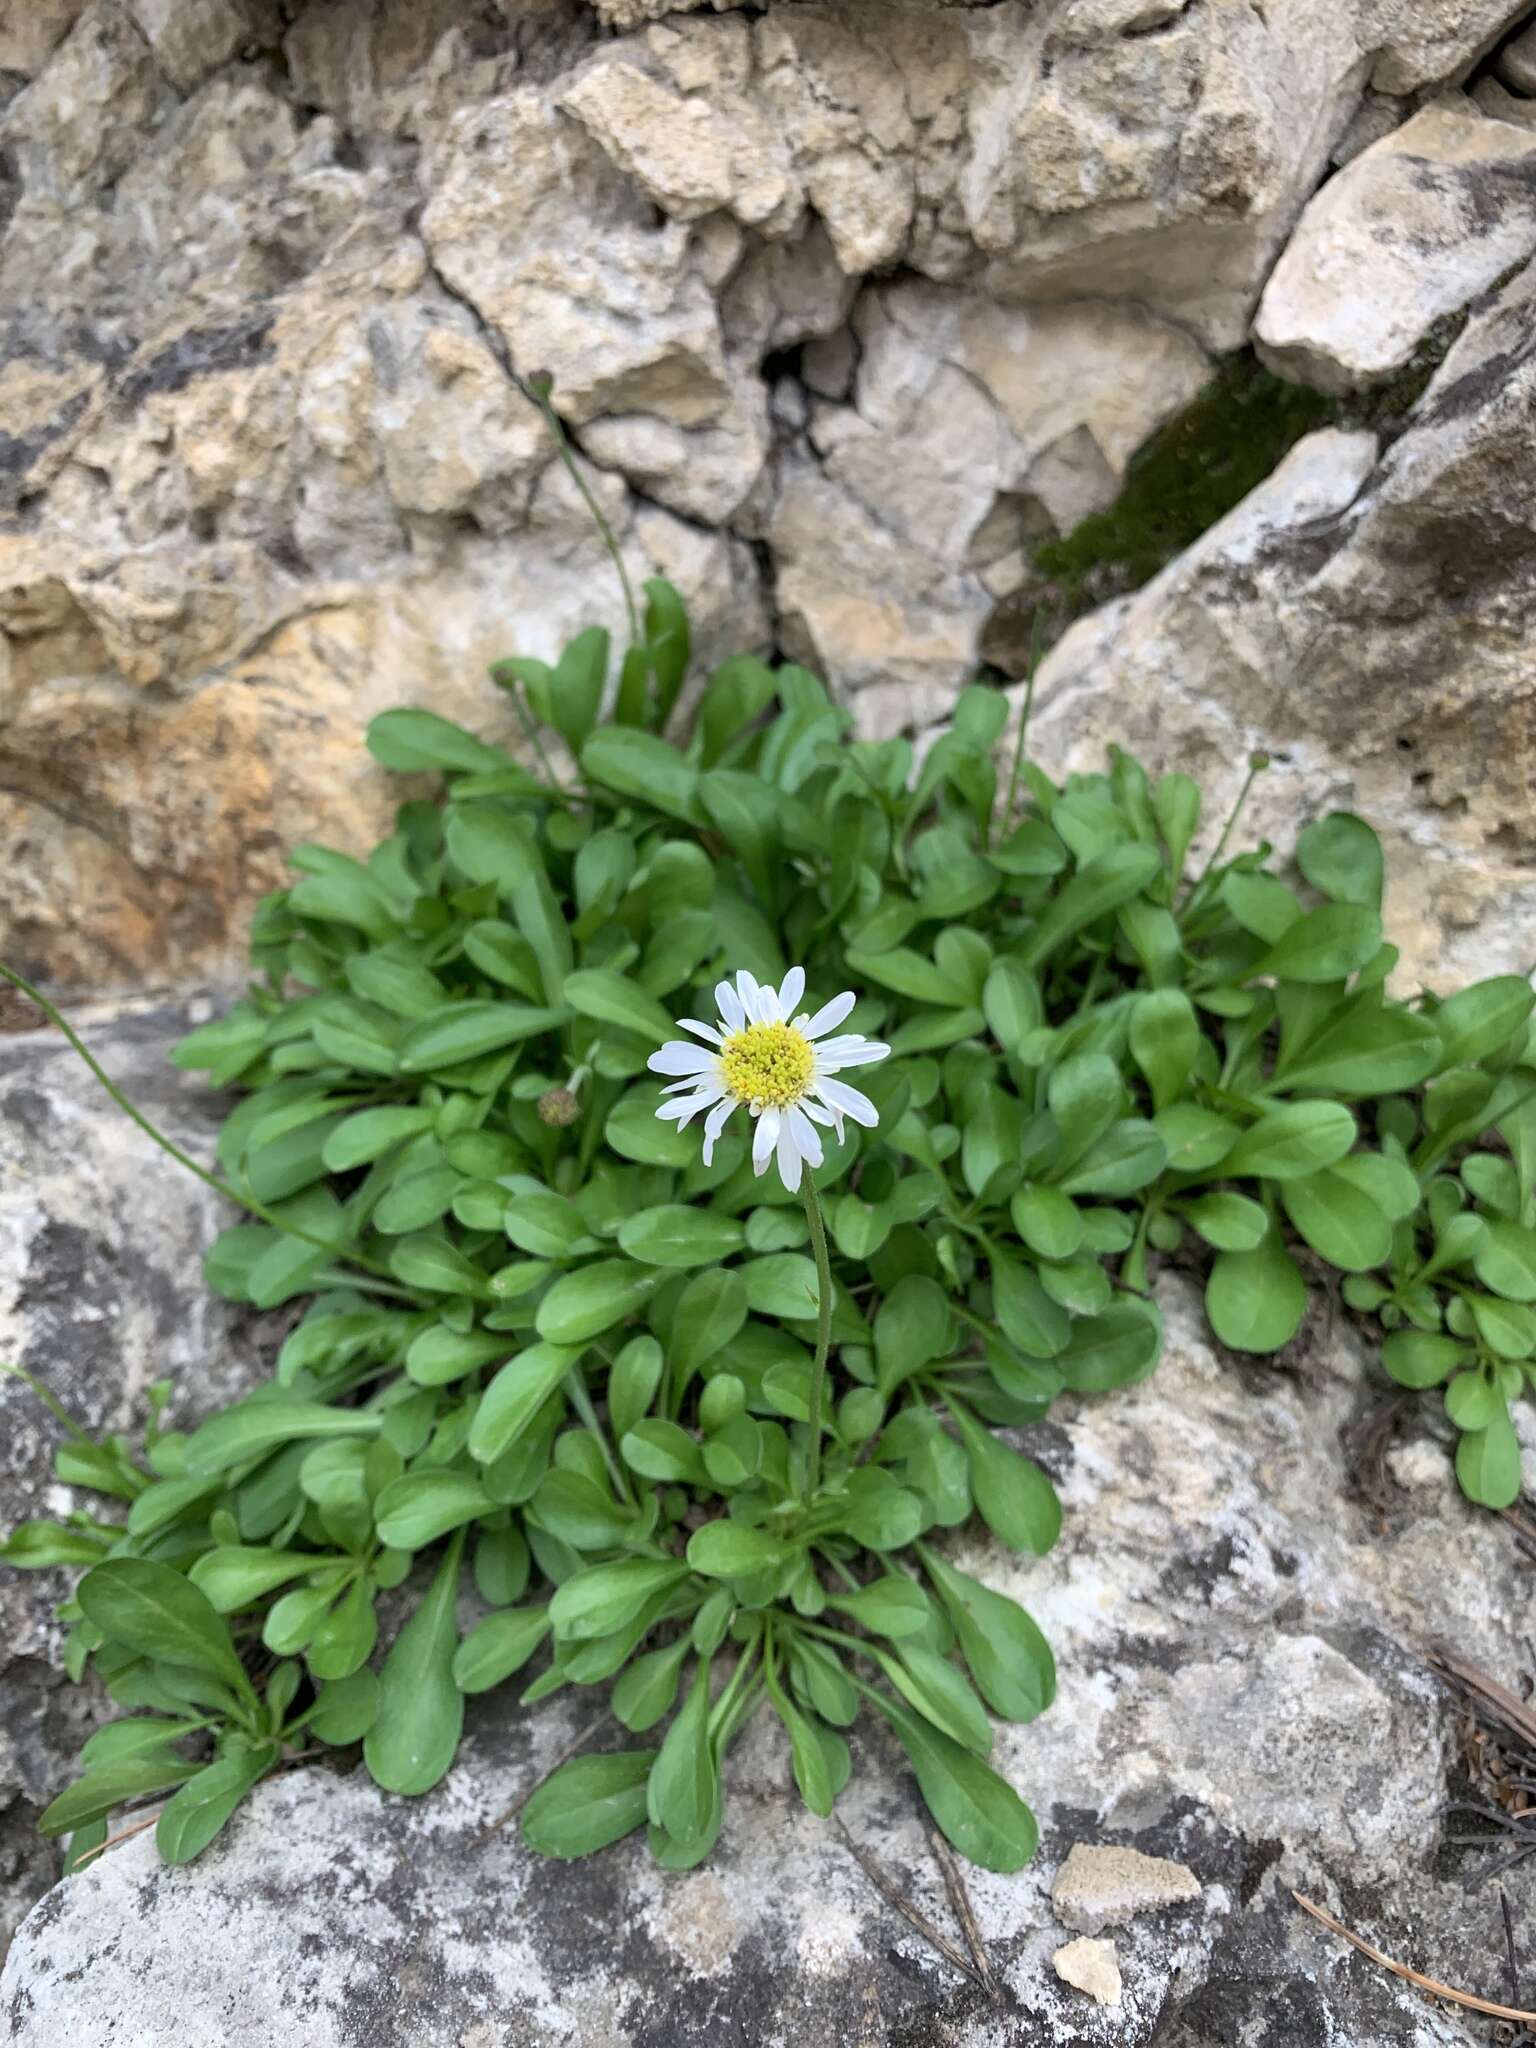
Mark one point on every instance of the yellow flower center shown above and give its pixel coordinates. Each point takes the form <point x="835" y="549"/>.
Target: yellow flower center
<point x="768" y="1063"/>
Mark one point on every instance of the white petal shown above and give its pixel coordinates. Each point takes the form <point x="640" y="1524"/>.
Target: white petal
<point x="746" y="990"/>
<point x="714" y="1124"/>
<point x="702" y="1084"/>
<point x="830" y="1014"/>
<point x="852" y="1051"/>
<point x="704" y="1030"/>
<point x="677" y="1056"/>
<point x="815" y="1111"/>
<point x="764" y="1138"/>
<point x="789" y="1156"/>
<point x="791" y="989"/>
<point x="682" y="1109"/>
<point x="806" y="1139"/>
<point x="732" y="1015"/>
<point x="846" y="1101"/>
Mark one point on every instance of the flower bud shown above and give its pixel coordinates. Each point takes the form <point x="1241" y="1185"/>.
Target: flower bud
<point x="559" y="1107"/>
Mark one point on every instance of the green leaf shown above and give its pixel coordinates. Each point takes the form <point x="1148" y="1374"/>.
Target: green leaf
<point x="1232" y="1223"/>
<point x="1423" y="1358"/>
<point x="683" y="1791"/>
<point x="1482" y="1019"/>
<point x="581" y="1305"/>
<point x="635" y="1131"/>
<point x="909" y="974"/>
<point x="418" y="1507"/>
<point x="1340" y="1220"/>
<point x="1288" y="1143"/>
<point x="1049" y="1222"/>
<point x="1505" y="1260"/>
<point x="1488" y="1464"/>
<point x="648" y="1686"/>
<point x="411" y="741"/>
<point x="490" y="844"/>
<point x="498" y="1646"/>
<point x="1341" y="857"/>
<point x="1323" y="945"/>
<point x="421" y="1711"/>
<point x="152" y="1609"/>
<point x="195" y="1815"/>
<point x="515" y="1396"/>
<point x="236" y="1576"/>
<point x="1256" y="1299"/>
<point x="467" y="1030"/>
<point x="35" y="1546"/>
<point x="1095" y="890"/>
<point x="1111" y="1350"/>
<point x="977" y="1811"/>
<point x="709" y="1312"/>
<point x="733" y="1550"/>
<point x="108" y="1785"/>
<point x="662" y="1450"/>
<point x="430" y="1262"/>
<point x="1165" y="1042"/>
<point x="1010" y="1659"/>
<point x="1038" y="1326"/>
<point x="1013" y="1495"/>
<point x="346" y="1709"/>
<point x="913" y="1326"/>
<point x="892" y="1606"/>
<point x="677" y="1234"/>
<point x="588" y="1803"/>
<point x="360" y="1139"/>
<point x="602" y="1597"/>
<point x="1011" y="1004"/>
<point x="645" y="769"/>
<point x="576" y="687"/>
<point x="611" y="998"/>
<point x="940" y="1693"/>
<point x="1363" y="1048"/>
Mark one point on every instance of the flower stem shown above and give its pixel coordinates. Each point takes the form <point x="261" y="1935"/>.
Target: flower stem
<point x="823" y="1332"/>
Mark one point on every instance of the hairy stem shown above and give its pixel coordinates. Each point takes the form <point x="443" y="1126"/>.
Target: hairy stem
<point x="823" y="1332"/>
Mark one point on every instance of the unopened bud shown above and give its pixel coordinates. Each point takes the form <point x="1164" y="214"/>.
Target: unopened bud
<point x="558" y="1106"/>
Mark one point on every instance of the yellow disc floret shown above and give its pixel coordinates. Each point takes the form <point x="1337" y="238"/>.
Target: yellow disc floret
<point x="770" y="1064"/>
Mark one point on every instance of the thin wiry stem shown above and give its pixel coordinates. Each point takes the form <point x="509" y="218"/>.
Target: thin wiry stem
<point x="823" y="1332"/>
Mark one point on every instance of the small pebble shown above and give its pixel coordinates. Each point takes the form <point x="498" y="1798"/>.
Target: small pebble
<point x="1090" y="1966"/>
<point x="1102" y="1886"/>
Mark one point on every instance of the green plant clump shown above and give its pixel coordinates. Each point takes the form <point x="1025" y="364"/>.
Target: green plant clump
<point x="556" y="1373"/>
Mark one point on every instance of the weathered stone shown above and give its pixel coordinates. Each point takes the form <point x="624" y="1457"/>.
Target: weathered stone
<point x="1373" y="627"/>
<point x="31" y="30"/>
<point x="101" y="1237"/>
<point x="192" y="38"/>
<point x="1090" y="1966"/>
<point x="1409" y="232"/>
<point x="1502" y="105"/>
<point x="973" y="429"/>
<point x="1102" y="1886"/>
<point x="1418" y="42"/>
<point x="1241" y="1688"/>
<point x="1517" y="62"/>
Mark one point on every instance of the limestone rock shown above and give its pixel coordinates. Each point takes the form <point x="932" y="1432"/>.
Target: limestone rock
<point x="1090" y="1966"/>
<point x="973" y="429"/>
<point x="101" y="1240"/>
<point x="1410" y="231"/>
<point x="1102" y="1886"/>
<point x="1418" y="42"/>
<point x="1517" y="62"/>
<point x="1373" y="626"/>
<point x="1241" y="1689"/>
<point x="1503" y="105"/>
<point x="31" y="30"/>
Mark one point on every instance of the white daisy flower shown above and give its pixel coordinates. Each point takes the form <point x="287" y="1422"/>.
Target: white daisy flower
<point x="781" y="1071"/>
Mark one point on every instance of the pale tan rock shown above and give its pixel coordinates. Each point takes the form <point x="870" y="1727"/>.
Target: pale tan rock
<point x="31" y="30"/>
<point x="1408" y="232"/>
<point x="77" y="126"/>
<point x="1516" y="64"/>
<point x="1418" y="42"/>
<point x="191" y="38"/>
<point x="1091" y="1967"/>
<point x="1503" y="105"/>
<point x="1103" y="1885"/>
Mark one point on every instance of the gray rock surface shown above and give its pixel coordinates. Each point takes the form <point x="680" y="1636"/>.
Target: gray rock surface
<point x="269" y="276"/>
<point x="1242" y="1690"/>
<point x="1371" y="622"/>
<point x="101" y="1242"/>
<point x="1409" y="232"/>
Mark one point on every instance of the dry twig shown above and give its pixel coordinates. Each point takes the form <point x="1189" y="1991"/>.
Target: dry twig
<point x="965" y="1913"/>
<point x="1415" y="1977"/>
<point x="888" y="1889"/>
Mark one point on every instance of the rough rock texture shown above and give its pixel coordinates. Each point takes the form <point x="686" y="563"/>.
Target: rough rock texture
<point x="1373" y="624"/>
<point x="846" y="305"/>
<point x="1412" y="230"/>
<point x="1090" y="1966"/>
<point x="1241" y="1690"/>
<point x="101" y="1238"/>
<point x="1102" y="1886"/>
